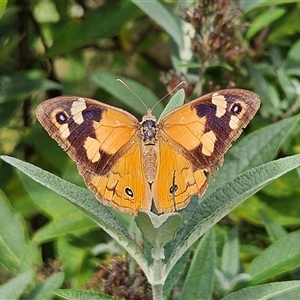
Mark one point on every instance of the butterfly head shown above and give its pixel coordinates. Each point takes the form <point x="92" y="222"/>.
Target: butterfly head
<point x="149" y="128"/>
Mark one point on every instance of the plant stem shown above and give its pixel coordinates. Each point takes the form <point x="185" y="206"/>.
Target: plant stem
<point x="157" y="287"/>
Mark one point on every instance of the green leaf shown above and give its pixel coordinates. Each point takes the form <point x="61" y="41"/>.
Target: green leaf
<point x="156" y="11"/>
<point x="176" y="101"/>
<point x="264" y="20"/>
<point x="288" y="26"/>
<point x="86" y="202"/>
<point x="279" y="259"/>
<point x="100" y="23"/>
<point x="158" y="230"/>
<point x="76" y="262"/>
<point x="285" y="211"/>
<point x="275" y="231"/>
<point x="276" y="290"/>
<point x="44" y="289"/>
<point x="56" y="208"/>
<point x="109" y="83"/>
<point x="81" y="295"/>
<point x="16" y="250"/>
<point x="224" y="199"/>
<point x="16" y="87"/>
<point x="230" y="265"/>
<point x="294" y="51"/>
<point x="256" y="148"/>
<point x="199" y="280"/>
<point x="16" y="286"/>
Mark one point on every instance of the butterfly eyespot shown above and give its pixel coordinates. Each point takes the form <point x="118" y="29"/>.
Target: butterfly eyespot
<point x="173" y="189"/>
<point x="236" y="108"/>
<point x="129" y="192"/>
<point x="61" y="117"/>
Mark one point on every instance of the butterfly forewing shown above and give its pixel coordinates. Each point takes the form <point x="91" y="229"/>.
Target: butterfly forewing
<point x="104" y="142"/>
<point x="204" y="129"/>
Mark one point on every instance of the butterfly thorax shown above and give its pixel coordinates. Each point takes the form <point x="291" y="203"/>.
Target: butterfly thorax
<point x="149" y="129"/>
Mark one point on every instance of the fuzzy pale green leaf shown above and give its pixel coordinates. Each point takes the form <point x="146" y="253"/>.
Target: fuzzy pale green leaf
<point x="199" y="280"/>
<point x="159" y="230"/>
<point x="86" y="202"/>
<point x="69" y="294"/>
<point x="16" y="286"/>
<point x="274" y="290"/>
<point x="224" y="199"/>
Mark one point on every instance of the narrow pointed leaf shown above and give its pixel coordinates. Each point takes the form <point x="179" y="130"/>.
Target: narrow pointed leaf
<point x="16" y="250"/>
<point x="156" y="11"/>
<point x="199" y="280"/>
<point x="16" y="286"/>
<point x="86" y="202"/>
<point x="69" y="294"/>
<point x="224" y="199"/>
<point x="274" y="290"/>
<point x="44" y="289"/>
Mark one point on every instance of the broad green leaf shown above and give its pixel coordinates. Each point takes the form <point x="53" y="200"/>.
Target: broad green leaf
<point x="199" y="280"/>
<point x="254" y="149"/>
<point x="7" y="111"/>
<point x="156" y="11"/>
<point x="275" y="231"/>
<point x="287" y="26"/>
<point x="100" y="23"/>
<point x="78" y="262"/>
<point x="294" y="51"/>
<point x="224" y="199"/>
<point x="275" y="290"/>
<point x="44" y="290"/>
<point x="16" y="250"/>
<point x="158" y="230"/>
<point x="86" y="202"/>
<point x="109" y="83"/>
<point x="285" y="186"/>
<point x="285" y="210"/>
<point x="2" y="7"/>
<point x="16" y="286"/>
<point x="18" y="86"/>
<point x="279" y="259"/>
<point x="264" y="20"/>
<point x="54" y="206"/>
<point x="81" y="295"/>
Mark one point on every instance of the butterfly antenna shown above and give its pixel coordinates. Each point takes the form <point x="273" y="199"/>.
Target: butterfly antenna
<point x="121" y="81"/>
<point x="165" y="96"/>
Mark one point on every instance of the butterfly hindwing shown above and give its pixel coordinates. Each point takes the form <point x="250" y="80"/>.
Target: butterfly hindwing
<point x="124" y="186"/>
<point x="176" y="180"/>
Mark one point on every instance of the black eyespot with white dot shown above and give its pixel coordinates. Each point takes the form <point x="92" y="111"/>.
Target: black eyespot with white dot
<point x="236" y="108"/>
<point x="173" y="189"/>
<point x="61" y="117"/>
<point x="129" y="192"/>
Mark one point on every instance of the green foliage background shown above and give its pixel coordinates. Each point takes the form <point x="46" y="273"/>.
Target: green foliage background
<point x="53" y="47"/>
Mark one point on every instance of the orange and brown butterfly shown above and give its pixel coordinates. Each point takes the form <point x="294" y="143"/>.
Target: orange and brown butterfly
<point x="131" y="165"/>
